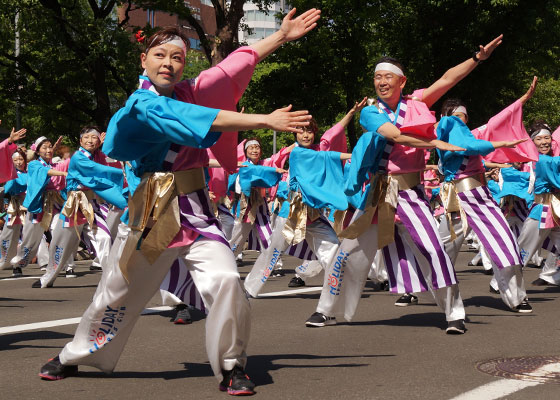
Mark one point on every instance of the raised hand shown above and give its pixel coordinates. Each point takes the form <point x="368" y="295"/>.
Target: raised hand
<point x="358" y="106"/>
<point x="17" y="135"/>
<point x="486" y="51"/>
<point x="523" y="99"/>
<point x="288" y="121"/>
<point x="294" y="28"/>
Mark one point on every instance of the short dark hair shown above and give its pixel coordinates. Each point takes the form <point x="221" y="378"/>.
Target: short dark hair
<point x="312" y="127"/>
<point x="24" y="156"/>
<point x="390" y="60"/>
<point x="164" y="34"/>
<point x="449" y="105"/>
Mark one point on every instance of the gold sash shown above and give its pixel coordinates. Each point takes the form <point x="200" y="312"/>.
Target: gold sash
<point x="50" y="198"/>
<point x="16" y="209"/>
<point x="255" y="200"/>
<point x="552" y="200"/>
<point x="156" y="201"/>
<point x="451" y="201"/>
<point x="382" y="197"/>
<point x="295" y="227"/>
<point x="79" y="201"/>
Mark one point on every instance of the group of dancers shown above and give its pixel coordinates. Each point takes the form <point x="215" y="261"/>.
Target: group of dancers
<point x="166" y="202"/>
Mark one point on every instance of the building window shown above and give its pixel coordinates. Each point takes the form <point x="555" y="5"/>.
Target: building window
<point x="206" y="3"/>
<point x="151" y="17"/>
<point x="256" y="15"/>
<point x="261" y="33"/>
<point x="194" y="44"/>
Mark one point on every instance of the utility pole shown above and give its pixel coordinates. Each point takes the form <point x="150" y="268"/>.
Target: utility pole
<point x="18" y="106"/>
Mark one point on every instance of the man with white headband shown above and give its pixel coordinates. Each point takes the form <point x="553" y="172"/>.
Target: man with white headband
<point x="399" y="175"/>
<point x="542" y="226"/>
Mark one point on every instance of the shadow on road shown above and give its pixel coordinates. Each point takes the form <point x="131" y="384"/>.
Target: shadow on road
<point x="9" y="341"/>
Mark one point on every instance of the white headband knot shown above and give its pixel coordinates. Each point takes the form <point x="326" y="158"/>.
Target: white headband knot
<point x="251" y="142"/>
<point x="385" y="66"/>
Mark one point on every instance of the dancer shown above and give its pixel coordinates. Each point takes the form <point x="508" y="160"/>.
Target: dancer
<point x="7" y="148"/>
<point x="91" y="187"/>
<point x="415" y="230"/>
<point x="174" y="222"/>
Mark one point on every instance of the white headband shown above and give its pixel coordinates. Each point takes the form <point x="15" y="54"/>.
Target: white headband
<point x="540" y="132"/>
<point x="251" y="142"/>
<point x="91" y="131"/>
<point x="35" y="146"/>
<point x="15" y="154"/>
<point x="177" y="41"/>
<point x="460" y="109"/>
<point x="384" y="66"/>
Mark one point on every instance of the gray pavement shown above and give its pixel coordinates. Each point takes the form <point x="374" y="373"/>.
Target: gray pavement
<point x="386" y="352"/>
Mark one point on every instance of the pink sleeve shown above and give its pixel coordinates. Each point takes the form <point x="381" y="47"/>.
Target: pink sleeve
<point x="221" y="87"/>
<point x="7" y="169"/>
<point x="334" y="139"/>
<point x="218" y="182"/>
<point x="277" y="160"/>
<point x="59" y="182"/>
<point x="508" y="125"/>
<point x="419" y="93"/>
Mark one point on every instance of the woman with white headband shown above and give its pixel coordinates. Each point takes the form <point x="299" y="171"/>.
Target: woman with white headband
<point x="42" y="199"/>
<point x="169" y="216"/>
<point x="91" y="187"/>
<point x="323" y="169"/>
<point x="15" y="214"/>
<point x="250" y="207"/>
<point x="467" y="200"/>
<point x="542" y="226"/>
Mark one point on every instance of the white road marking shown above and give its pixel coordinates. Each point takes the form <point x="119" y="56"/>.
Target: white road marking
<point x="293" y="291"/>
<point x="61" y="322"/>
<point x="21" y="277"/>
<point x="495" y="390"/>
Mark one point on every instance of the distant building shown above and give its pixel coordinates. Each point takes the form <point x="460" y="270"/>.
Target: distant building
<point x="202" y="10"/>
<point x="262" y="24"/>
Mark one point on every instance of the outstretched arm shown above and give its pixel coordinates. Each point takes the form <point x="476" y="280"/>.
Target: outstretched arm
<point x="453" y="75"/>
<point x="280" y="120"/>
<point x="357" y="107"/>
<point x="291" y="29"/>
<point x="393" y="133"/>
<point x="523" y="99"/>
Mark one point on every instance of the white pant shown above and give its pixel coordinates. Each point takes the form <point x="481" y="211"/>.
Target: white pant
<point x="240" y="235"/>
<point x="117" y="304"/>
<point x="531" y="239"/>
<point x="319" y="235"/>
<point x="64" y="244"/>
<point x="30" y="239"/>
<point x="9" y="239"/>
<point x="551" y="269"/>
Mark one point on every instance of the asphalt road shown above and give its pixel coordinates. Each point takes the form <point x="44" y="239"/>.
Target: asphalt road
<point x="386" y="352"/>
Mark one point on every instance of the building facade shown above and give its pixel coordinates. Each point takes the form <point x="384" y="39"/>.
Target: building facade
<point x="262" y="24"/>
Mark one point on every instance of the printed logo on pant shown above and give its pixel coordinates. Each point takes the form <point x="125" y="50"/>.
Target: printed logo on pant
<point x="108" y="328"/>
<point x="335" y="278"/>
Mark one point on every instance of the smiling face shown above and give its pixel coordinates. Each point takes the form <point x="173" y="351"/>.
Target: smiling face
<point x="90" y="141"/>
<point x="389" y="86"/>
<point x="253" y="153"/>
<point x="305" y="138"/>
<point x="19" y="162"/>
<point x="164" y="66"/>
<point x="543" y="143"/>
<point x="46" y="150"/>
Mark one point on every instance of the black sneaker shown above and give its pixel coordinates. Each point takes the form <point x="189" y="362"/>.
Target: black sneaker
<point x="183" y="316"/>
<point x="37" y="284"/>
<point x="54" y="370"/>
<point x="95" y="268"/>
<point x="488" y="272"/>
<point x="277" y="273"/>
<point x="318" y="320"/>
<point x="70" y="273"/>
<point x="384" y="286"/>
<point x="524" y="307"/>
<point x="296" y="282"/>
<point x="492" y="290"/>
<point x="237" y="383"/>
<point x="407" y="299"/>
<point x="456" y="327"/>
<point x="17" y="272"/>
<point x="540" y="282"/>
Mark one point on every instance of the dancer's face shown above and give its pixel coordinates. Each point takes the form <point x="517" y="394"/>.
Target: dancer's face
<point x="18" y="161"/>
<point x="388" y="86"/>
<point x="254" y="153"/>
<point x="305" y="138"/>
<point x="164" y="66"/>
<point x="543" y="143"/>
<point x="90" y="141"/>
<point x="462" y="116"/>
<point x="46" y="150"/>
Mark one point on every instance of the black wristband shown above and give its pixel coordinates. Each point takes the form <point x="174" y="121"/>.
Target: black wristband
<point x="475" y="58"/>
